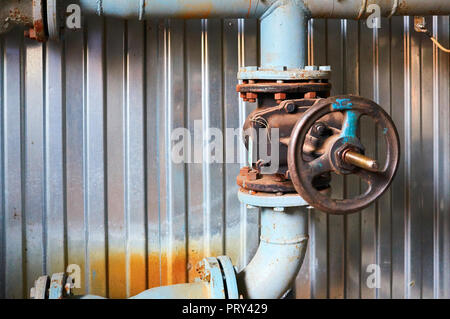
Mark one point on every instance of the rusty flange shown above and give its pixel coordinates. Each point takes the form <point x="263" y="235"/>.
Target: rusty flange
<point x="250" y="179"/>
<point x="250" y="90"/>
<point x="303" y="172"/>
<point x="286" y="87"/>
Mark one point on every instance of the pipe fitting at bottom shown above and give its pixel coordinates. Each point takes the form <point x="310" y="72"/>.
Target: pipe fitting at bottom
<point x="272" y="271"/>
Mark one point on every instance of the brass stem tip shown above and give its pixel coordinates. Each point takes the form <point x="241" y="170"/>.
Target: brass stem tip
<point x="361" y="161"/>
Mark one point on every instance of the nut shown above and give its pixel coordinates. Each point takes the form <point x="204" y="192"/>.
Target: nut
<point x="290" y="107"/>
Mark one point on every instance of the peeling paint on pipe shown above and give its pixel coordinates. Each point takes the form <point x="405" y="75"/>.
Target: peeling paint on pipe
<point x="284" y="36"/>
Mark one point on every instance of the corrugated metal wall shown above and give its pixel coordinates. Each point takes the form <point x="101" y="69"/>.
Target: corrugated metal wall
<point x="87" y="177"/>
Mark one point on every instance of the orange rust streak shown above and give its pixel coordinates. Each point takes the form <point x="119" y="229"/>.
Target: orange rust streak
<point x="117" y="275"/>
<point x="175" y="269"/>
<point x="137" y="273"/>
<point x="249" y="7"/>
<point x="195" y="11"/>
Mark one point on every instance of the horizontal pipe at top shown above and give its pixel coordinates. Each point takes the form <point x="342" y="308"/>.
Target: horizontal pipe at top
<point x="361" y="9"/>
<point x="187" y="9"/>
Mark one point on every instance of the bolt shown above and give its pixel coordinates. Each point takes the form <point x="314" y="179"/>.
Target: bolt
<point x="320" y="129"/>
<point x="252" y="175"/>
<point x="290" y="107"/>
<point x="251" y="97"/>
<point x="310" y="95"/>
<point x="279" y="97"/>
<point x="244" y="171"/>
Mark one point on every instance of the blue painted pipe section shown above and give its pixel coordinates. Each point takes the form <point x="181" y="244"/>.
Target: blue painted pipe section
<point x="187" y="9"/>
<point x="284" y="35"/>
<point x="273" y="269"/>
<point x="196" y="290"/>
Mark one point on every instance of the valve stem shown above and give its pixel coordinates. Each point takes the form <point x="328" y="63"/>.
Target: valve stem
<point x="362" y="161"/>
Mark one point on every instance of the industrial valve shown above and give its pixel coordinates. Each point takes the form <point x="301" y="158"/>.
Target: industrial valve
<point x="341" y="152"/>
<point x="317" y="136"/>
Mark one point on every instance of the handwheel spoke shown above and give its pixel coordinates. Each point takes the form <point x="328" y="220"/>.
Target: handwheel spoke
<point x="319" y="166"/>
<point x="350" y="124"/>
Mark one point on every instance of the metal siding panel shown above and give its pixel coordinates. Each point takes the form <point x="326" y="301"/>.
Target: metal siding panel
<point x="33" y="167"/>
<point x="55" y="190"/>
<point x="384" y="205"/>
<point x="442" y="167"/>
<point x="152" y="150"/>
<point x="398" y="188"/>
<point x="212" y="117"/>
<point x="195" y="180"/>
<point x="231" y="121"/>
<point x="426" y="170"/>
<point x="135" y="162"/>
<point x="368" y="89"/>
<point x="15" y="272"/>
<point x="116" y="155"/>
<point x="94" y="159"/>
<point x="2" y="176"/>
<point x="173" y="207"/>
<point x="74" y="102"/>
<point x="88" y="178"/>
<point x="415" y="189"/>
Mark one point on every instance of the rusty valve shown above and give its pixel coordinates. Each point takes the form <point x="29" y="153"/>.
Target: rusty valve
<point x="342" y="153"/>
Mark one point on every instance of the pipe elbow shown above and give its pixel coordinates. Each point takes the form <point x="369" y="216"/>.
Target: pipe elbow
<point x="273" y="269"/>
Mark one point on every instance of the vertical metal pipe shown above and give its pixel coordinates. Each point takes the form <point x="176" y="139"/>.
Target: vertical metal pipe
<point x="284" y="35"/>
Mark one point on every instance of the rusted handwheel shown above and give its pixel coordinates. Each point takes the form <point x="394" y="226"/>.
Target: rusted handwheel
<point x="343" y="154"/>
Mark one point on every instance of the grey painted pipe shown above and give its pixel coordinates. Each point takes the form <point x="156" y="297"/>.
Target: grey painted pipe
<point x="284" y="35"/>
<point x="351" y="9"/>
<point x="360" y="9"/>
<point x="273" y="269"/>
<point x="176" y="8"/>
